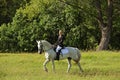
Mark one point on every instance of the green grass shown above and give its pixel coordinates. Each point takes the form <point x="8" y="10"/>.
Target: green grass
<point x="104" y="65"/>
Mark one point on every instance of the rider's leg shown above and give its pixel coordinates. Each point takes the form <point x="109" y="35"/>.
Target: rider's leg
<point x="58" y="49"/>
<point x="58" y="54"/>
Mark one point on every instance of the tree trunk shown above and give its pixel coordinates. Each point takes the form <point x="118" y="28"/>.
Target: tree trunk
<point x="103" y="45"/>
<point x="104" y="27"/>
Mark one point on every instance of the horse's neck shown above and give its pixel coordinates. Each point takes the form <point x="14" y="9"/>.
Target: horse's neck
<point x="47" y="45"/>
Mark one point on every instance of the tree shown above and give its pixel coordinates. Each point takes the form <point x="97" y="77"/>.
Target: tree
<point x="105" y="25"/>
<point x="104" y="20"/>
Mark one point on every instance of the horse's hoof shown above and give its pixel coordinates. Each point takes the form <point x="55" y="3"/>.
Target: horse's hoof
<point x="81" y="72"/>
<point x="46" y="70"/>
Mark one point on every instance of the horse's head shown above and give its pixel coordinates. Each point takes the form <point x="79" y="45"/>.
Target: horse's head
<point x="43" y="45"/>
<point x="40" y="47"/>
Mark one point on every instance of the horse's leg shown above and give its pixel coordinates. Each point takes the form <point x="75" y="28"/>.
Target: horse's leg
<point x="53" y="65"/>
<point x="81" y="70"/>
<point x="69" y="64"/>
<point x="44" y="64"/>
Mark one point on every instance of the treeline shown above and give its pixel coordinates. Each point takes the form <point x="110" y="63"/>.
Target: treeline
<point x="41" y="19"/>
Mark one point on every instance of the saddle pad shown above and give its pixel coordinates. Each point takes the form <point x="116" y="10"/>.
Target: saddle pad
<point x="64" y="51"/>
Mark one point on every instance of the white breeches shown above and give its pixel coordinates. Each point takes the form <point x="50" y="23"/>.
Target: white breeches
<point x="58" y="48"/>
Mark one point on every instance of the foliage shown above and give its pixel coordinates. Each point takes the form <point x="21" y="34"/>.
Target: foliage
<point x="41" y="19"/>
<point x="115" y="40"/>
<point x="8" y="9"/>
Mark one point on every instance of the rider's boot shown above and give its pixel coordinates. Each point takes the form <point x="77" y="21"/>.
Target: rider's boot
<point x="58" y="55"/>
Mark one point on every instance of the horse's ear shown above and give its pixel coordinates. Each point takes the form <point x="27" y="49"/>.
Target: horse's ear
<point x="37" y="41"/>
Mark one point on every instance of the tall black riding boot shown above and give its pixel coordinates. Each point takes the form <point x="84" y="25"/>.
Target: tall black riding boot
<point x="58" y="55"/>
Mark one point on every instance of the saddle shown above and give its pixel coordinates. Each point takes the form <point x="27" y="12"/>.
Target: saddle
<point x="61" y="52"/>
<point x="64" y="51"/>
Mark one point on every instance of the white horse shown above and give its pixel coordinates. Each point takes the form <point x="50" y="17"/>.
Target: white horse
<point x="50" y="55"/>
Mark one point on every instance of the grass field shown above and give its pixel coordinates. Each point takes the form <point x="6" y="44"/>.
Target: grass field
<point x="104" y="65"/>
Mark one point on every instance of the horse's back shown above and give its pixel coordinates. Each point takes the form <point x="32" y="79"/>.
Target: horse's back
<point x="73" y="50"/>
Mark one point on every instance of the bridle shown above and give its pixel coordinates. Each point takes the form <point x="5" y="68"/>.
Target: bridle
<point x="41" y="47"/>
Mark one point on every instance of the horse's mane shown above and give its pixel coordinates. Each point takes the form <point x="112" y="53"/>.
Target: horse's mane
<point x="47" y="43"/>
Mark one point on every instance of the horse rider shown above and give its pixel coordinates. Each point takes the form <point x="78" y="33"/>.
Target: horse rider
<point x="59" y="43"/>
